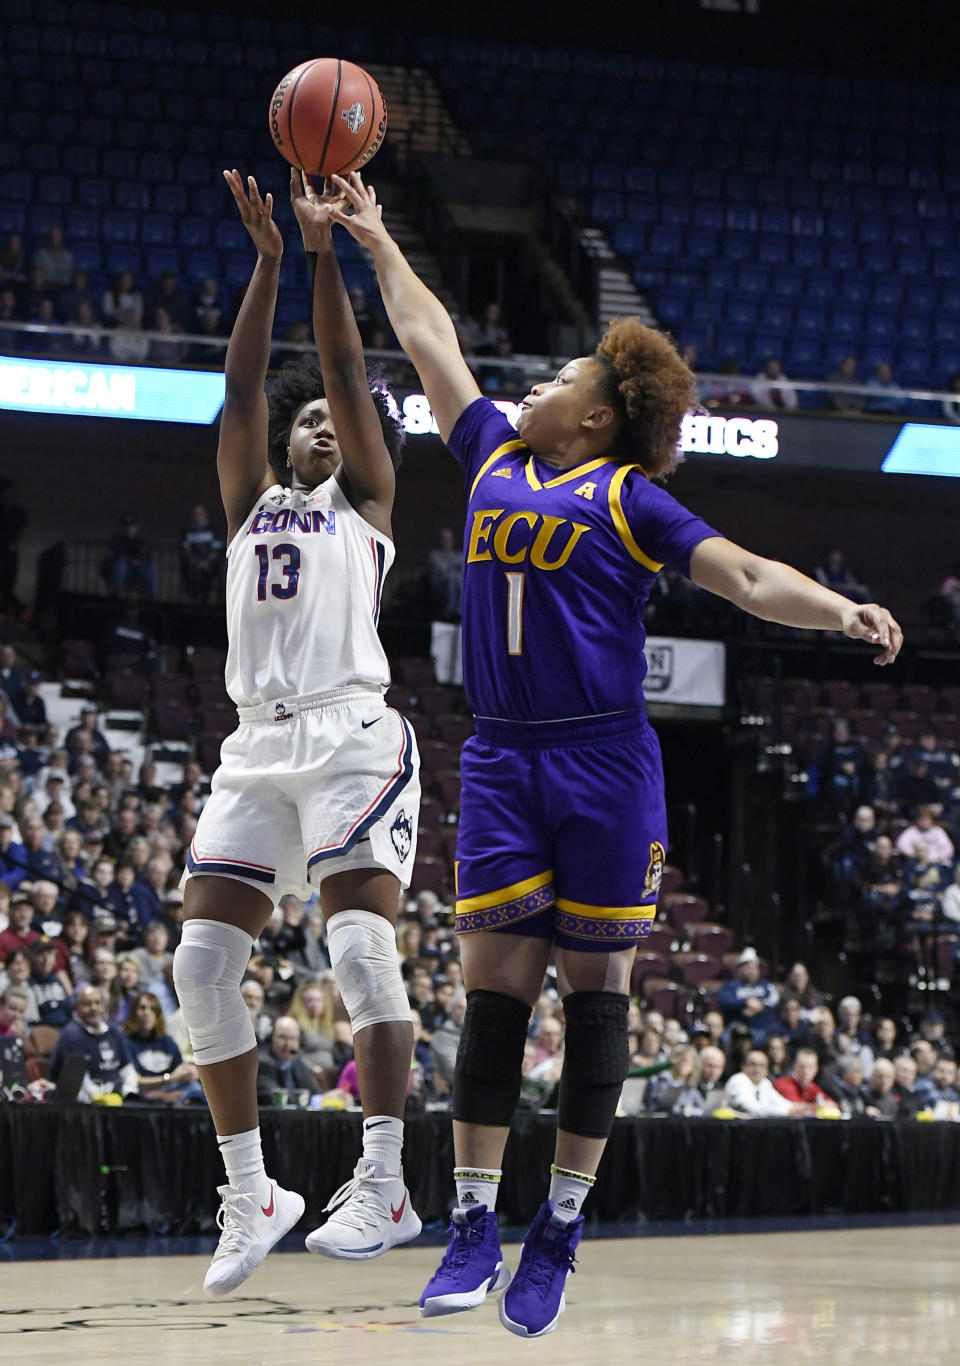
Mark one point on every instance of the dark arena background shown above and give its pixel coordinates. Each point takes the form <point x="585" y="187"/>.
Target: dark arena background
<point x="776" y="187"/>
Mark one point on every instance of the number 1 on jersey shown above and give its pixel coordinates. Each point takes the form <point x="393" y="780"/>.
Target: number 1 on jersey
<point x="515" y="613"/>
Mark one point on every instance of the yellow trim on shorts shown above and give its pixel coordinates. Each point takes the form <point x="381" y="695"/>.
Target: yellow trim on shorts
<point x="501" y="450"/>
<point x="645" y="912"/>
<point x="511" y="893"/>
<point x="620" y="521"/>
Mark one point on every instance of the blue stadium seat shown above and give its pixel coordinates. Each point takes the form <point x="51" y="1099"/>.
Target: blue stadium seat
<point x="773" y="249"/>
<point x="16" y="187"/>
<point x="776" y="314"/>
<point x="846" y="322"/>
<point x="921" y="293"/>
<point x="938" y="235"/>
<point x="87" y="256"/>
<point x="158" y="230"/>
<point x="202" y="265"/>
<point x="12" y="218"/>
<point x="878" y="259"/>
<point x="904" y="232"/>
<point x="156" y="260"/>
<point x="806" y="253"/>
<point x="914" y="327"/>
<point x="82" y="224"/>
<point x="673" y="180"/>
<point x="804" y="358"/>
<point x="788" y="282"/>
<point x="674" y="213"/>
<point x="42" y="217"/>
<point x="742" y="218"/>
<point x="170" y="199"/>
<point x="194" y="170"/>
<point x="194" y="232"/>
<point x="836" y="198"/>
<point x="740" y="246"/>
<point x="924" y="176"/>
<point x="911" y="261"/>
<point x="946" y="330"/>
<point x="42" y="157"/>
<point x="887" y="292"/>
<point x="855" y="289"/>
<point x="950" y="301"/>
<point x="880" y="326"/>
<point x="840" y="225"/>
<point x="720" y="276"/>
<point x="606" y="206"/>
<point x="236" y="266"/>
<point x="119" y="163"/>
<point x="873" y="229"/>
<point x="120" y="226"/>
<point x="132" y="195"/>
<point x="665" y="241"/>
<point x="54" y="189"/>
<point x="890" y="173"/>
<point x="804" y="194"/>
<point x="753" y="279"/>
<point x="916" y="367"/>
<point x="606" y="175"/>
<point x="732" y="342"/>
<point x="156" y="167"/>
<point x="641" y="208"/>
<point x="119" y="256"/>
<point x="807" y="222"/>
<point x="704" y="185"/>
<point x="844" y="256"/>
<point x="810" y="320"/>
<point x="231" y="235"/>
<point x="702" y="245"/>
<point x="946" y="265"/>
<point x="768" y="343"/>
<point x="741" y="310"/>
<point x="672" y="305"/>
<point x="775" y="220"/>
<point x="641" y="178"/>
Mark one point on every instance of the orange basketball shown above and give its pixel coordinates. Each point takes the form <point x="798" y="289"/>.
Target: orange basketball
<point x="327" y="116"/>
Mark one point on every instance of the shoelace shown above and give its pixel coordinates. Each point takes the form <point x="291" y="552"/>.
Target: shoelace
<point x="235" y="1219"/>
<point x="553" y="1254"/>
<point x="465" y="1236"/>
<point x="367" y="1208"/>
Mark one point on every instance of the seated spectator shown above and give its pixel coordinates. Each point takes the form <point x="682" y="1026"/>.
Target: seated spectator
<point x="52" y="990"/>
<point x="915" y="786"/>
<point x="124" y="990"/>
<point x="435" y="1012"/>
<point x="122" y="297"/>
<point x="878" y="785"/>
<point x="444" y="1045"/>
<point x="154" y="957"/>
<point x="41" y="865"/>
<point x="823" y="1040"/>
<point x="312" y="1008"/>
<point x="201" y="556"/>
<point x="722" y="393"/>
<point x="885" y="1040"/>
<point x="752" y="1093"/>
<point x="445" y="578"/>
<point x="651" y="1051"/>
<point x="13" y="859"/>
<point x="710" y="1083"/>
<point x="31" y="708"/>
<point x="883" y="382"/>
<point x="161" y="1071"/>
<point x="925" y="831"/>
<point x="13" y="1036"/>
<point x="847" y="1086"/>
<point x="676" y="1091"/>
<point x="127" y="344"/>
<point x="945" y="1082"/>
<point x="109" y="1062"/>
<point x="54" y="259"/>
<point x="254" y="999"/>
<point x="169" y="349"/>
<point x="800" y="1083"/>
<point x="878" y="1097"/>
<point x="491" y="332"/>
<point x="881" y="879"/>
<point x="798" y="987"/>
<point x="932" y="1027"/>
<point x="770" y="388"/>
<point x="845" y="373"/>
<point x="129" y="560"/>
<point x="835" y="574"/>
<point x="925" y="1059"/>
<point x="207" y="313"/>
<point x="167" y="295"/>
<point x="281" y="1068"/>
<point x="905" y="1093"/>
<point x="16" y="970"/>
<point x="750" y="999"/>
<point x="76" y="946"/>
<point x="13" y="260"/>
<point x="76" y="293"/>
<point x="778" y="1053"/>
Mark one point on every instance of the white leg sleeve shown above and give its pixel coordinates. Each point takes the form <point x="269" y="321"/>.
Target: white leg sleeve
<point x="363" y="954"/>
<point x="208" y="967"/>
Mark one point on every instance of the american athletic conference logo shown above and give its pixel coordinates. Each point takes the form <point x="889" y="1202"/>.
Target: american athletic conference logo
<point x="401" y="832"/>
<point x="354" y="116"/>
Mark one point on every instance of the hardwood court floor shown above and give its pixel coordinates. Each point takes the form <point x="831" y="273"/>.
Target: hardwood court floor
<point x="837" y="1298"/>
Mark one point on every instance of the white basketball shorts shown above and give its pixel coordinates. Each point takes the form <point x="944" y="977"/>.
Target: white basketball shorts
<point x="311" y="786"/>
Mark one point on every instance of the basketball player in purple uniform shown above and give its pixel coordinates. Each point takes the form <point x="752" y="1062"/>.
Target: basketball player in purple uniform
<point x="562" y="823"/>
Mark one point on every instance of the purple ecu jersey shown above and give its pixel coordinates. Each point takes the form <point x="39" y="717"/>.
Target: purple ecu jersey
<point x="562" y="829"/>
<point x="557" y="572"/>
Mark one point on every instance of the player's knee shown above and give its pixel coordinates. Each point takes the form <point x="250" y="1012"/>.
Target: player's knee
<point x="208" y="967"/>
<point x="363" y="955"/>
<point x="595" y="1062"/>
<point x="490" y="1058"/>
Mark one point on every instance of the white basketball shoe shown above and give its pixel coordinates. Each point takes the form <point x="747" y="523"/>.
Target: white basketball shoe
<point x="370" y="1214"/>
<point x="250" y="1230"/>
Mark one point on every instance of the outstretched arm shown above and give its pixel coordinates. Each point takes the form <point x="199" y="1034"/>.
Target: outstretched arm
<point x="242" y="453"/>
<point x="423" y="326"/>
<point x="775" y="592"/>
<point x="366" y="461"/>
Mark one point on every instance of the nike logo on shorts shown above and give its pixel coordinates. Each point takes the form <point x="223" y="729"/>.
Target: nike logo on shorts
<point x="267" y="1210"/>
<point x="367" y="724"/>
<point x="397" y="1214"/>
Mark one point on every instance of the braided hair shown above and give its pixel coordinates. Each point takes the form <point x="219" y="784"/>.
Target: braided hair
<point x="651" y="388"/>
<point x="301" y="381"/>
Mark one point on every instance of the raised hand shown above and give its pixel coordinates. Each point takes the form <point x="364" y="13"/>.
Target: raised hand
<point x="313" y="211"/>
<point x="365" y="223"/>
<point x="875" y="625"/>
<point x="257" y="214"/>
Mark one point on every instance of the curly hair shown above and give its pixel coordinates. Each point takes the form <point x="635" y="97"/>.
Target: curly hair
<point x="651" y="387"/>
<point x="301" y="381"/>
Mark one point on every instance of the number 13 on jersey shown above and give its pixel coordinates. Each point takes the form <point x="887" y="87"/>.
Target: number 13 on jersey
<point x="290" y="571"/>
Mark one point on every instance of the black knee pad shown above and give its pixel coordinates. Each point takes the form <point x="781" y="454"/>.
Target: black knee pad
<point x="596" y="1060"/>
<point x="486" y="1084"/>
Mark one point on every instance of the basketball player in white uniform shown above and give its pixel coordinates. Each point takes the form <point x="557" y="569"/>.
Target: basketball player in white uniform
<point x="319" y="784"/>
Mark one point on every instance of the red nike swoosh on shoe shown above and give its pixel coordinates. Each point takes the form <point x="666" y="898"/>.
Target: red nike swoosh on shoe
<point x="397" y="1214"/>
<point x="269" y="1208"/>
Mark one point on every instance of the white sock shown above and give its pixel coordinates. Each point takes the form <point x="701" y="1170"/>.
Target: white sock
<point x="383" y="1142"/>
<point x="568" y="1190"/>
<point x="243" y="1160"/>
<point x="477" y="1186"/>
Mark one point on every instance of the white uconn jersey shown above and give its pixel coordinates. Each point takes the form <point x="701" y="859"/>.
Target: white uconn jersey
<point x="304" y="577"/>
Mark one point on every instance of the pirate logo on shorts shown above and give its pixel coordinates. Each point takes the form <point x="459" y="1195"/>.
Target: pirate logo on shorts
<point x="401" y="832"/>
<point x="354" y="116"/>
<point x="651" y="883"/>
